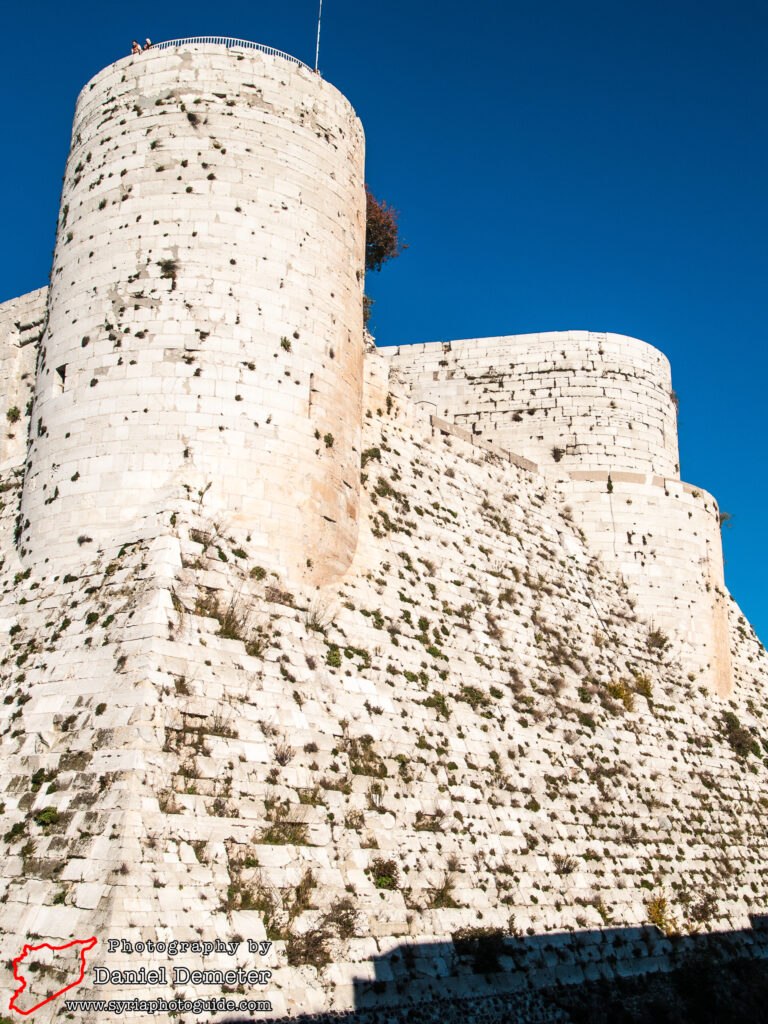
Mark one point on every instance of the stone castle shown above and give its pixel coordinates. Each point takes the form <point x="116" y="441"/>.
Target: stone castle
<point x="374" y="656"/>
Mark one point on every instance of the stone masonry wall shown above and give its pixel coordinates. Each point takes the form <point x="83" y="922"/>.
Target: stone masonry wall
<point x="597" y="412"/>
<point x="21" y="324"/>
<point x="468" y="735"/>
<point x="665" y="537"/>
<point x="583" y="400"/>
<point x="456" y="756"/>
<point x="205" y="334"/>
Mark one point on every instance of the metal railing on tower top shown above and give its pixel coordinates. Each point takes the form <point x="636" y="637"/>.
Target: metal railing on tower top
<point x="235" y="44"/>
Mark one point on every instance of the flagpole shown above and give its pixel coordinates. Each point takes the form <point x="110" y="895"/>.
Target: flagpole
<point x="317" y="51"/>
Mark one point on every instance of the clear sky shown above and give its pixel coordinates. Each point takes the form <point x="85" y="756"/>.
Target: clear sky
<point x="598" y="165"/>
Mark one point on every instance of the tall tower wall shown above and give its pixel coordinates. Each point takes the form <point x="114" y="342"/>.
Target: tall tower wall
<point x="205" y="330"/>
<point x="584" y="400"/>
<point x="664" y="538"/>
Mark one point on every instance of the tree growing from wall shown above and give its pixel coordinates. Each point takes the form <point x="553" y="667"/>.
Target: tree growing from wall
<point x="382" y="239"/>
<point x="726" y="519"/>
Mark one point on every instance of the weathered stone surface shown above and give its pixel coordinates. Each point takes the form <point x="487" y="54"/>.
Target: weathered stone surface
<point x="478" y="750"/>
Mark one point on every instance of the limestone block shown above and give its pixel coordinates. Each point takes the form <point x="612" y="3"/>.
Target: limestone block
<point x="59" y="922"/>
<point x="87" y="894"/>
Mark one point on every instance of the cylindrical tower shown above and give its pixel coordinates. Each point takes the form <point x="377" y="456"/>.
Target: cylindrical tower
<point x="587" y="401"/>
<point x="204" y="338"/>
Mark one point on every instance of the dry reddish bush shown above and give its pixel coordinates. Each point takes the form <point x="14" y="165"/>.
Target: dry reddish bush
<point x="382" y="241"/>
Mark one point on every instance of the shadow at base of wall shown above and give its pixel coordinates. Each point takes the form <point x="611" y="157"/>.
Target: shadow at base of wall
<point x="606" y="976"/>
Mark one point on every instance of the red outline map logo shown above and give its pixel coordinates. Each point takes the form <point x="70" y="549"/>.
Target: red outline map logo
<point x="85" y="943"/>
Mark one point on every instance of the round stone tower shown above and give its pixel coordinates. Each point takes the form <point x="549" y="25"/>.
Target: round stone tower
<point x="204" y="339"/>
<point x="589" y="401"/>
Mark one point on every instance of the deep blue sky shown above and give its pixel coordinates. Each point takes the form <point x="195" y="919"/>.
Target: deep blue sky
<point x="597" y="165"/>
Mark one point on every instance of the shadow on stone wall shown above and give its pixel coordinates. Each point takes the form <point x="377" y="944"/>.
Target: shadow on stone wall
<point x="605" y="976"/>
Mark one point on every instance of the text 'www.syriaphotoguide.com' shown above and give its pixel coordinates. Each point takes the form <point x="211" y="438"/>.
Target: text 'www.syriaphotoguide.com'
<point x="159" y="1005"/>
